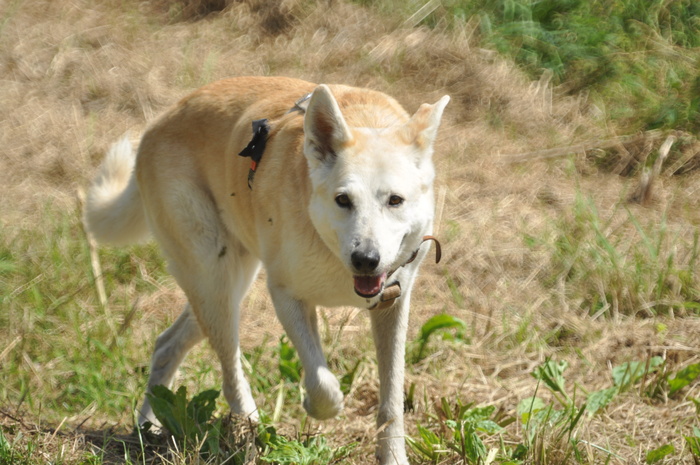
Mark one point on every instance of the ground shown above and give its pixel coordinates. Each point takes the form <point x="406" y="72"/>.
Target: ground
<point x="544" y="256"/>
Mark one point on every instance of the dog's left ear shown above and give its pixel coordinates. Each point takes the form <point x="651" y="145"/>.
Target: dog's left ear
<point x="421" y="129"/>
<point x="325" y="129"/>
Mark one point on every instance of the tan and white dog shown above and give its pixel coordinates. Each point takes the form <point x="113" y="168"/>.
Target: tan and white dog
<point x="337" y="209"/>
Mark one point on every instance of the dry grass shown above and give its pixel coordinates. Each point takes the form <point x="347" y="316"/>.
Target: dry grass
<point x="77" y="75"/>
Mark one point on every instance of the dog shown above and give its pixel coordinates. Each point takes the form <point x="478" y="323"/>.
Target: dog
<point x="334" y="200"/>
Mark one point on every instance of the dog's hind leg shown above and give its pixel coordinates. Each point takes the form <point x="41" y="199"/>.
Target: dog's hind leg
<point x="171" y="348"/>
<point x="324" y="398"/>
<point x="215" y="287"/>
<point x="221" y="322"/>
<point x="214" y="270"/>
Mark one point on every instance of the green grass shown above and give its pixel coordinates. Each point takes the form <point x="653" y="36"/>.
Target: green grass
<point x="94" y="365"/>
<point x="612" y="268"/>
<point x="640" y="58"/>
<point x="49" y="302"/>
<point x="551" y="429"/>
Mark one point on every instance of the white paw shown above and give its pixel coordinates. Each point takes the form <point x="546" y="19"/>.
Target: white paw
<point x="146" y="415"/>
<point x="324" y="398"/>
<point x="249" y="411"/>
<point x="241" y="401"/>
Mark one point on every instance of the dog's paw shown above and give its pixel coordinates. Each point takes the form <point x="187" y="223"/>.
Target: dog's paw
<point x="250" y="412"/>
<point x="241" y="401"/>
<point x="324" y="399"/>
<point x="147" y="418"/>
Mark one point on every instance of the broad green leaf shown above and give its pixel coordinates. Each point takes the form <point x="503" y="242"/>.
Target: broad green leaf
<point x="286" y="351"/>
<point x="519" y="453"/>
<point x="213" y="435"/>
<point x="655" y="455"/>
<point x="442" y="321"/>
<point x="290" y="372"/>
<point x="187" y="421"/>
<point x="479" y="413"/>
<point x="529" y="406"/>
<point x="466" y="442"/>
<point x="630" y="372"/>
<point x="475" y="448"/>
<point x="169" y="408"/>
<point x="683" y="378"/>
<point x="600" y="399"/>
<point x="313" y="451"/>
<point x="202" y="406"/>
<point x="437" y="322"/>
<point x="488" y="426"/>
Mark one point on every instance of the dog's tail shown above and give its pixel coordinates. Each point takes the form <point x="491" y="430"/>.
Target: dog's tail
<point x="113" y="208"/>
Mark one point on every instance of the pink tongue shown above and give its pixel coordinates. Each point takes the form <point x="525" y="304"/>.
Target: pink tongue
<point x="369" y="286"/>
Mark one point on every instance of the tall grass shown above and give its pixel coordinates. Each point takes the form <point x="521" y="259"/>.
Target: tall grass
<point x="69" y="354"/>
<point x="614" y="265"/>
<point x="641" y="57"/>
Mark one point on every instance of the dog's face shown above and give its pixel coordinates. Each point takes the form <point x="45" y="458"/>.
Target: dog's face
<point x="372" y="198"/>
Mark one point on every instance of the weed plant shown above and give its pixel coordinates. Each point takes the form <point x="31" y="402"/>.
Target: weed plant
<point x="551" y="429"/>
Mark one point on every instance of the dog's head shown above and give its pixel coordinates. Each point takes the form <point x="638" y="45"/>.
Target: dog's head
<point x="372" y="198"/>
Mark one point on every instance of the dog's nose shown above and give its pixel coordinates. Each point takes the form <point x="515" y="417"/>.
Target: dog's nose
<point x="365" y="261"/>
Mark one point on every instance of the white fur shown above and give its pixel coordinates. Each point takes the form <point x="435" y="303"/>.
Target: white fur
<point x="215" y="242"/>
<point x="113" y="211"/>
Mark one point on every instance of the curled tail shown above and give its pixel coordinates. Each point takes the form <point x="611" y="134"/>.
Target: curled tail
<point x="113" y="208"/>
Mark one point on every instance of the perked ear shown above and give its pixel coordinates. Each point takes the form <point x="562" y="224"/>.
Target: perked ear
<point x="421" y="129"/>
<point x="325" y="129"/>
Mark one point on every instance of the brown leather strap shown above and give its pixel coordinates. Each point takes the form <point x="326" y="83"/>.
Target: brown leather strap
<point x="438" y="247"/>
<point x="393" y="292"/>
<point x="388" y="297"/>
<point x="438" y="250"/>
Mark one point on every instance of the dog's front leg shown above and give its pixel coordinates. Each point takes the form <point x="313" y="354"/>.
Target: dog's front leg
<point x="324" y="398"/>
<point x="389" y="330"/>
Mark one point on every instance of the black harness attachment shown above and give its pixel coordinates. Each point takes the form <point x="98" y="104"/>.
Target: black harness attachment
<point x="256" y="147"/>
<point x="261" y="128"/>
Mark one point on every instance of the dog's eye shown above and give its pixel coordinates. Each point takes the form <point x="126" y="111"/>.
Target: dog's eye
<point x="343" y="201"/>
<point x="395" y="201"/>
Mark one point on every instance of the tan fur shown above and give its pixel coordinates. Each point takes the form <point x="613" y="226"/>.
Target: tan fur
<point x="190" y="186"/>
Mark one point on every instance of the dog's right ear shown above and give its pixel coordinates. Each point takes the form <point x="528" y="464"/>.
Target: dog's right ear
<point x="325" y="129"/>
<point x="423" y="125"/>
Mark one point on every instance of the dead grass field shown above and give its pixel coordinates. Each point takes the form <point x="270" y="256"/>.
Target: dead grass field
<point x="77" y="75"/>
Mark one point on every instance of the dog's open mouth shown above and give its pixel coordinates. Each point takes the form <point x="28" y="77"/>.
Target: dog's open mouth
<point x="369" y="286"/>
